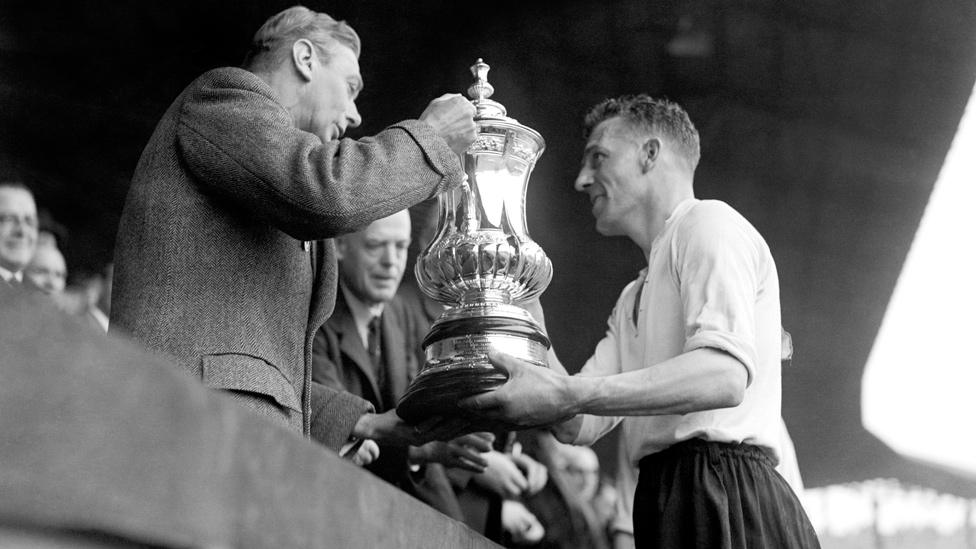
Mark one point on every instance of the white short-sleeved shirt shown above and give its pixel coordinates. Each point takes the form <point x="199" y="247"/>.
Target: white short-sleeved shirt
<point x="710" y="282"/>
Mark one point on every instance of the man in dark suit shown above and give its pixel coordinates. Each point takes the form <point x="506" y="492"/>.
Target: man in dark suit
<point x="18" y="231"/>
<point x="217" y="263"/>
<point x="365" y="348"/>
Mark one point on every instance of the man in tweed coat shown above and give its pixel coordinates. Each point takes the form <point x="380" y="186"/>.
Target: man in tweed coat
<point x="223" y="258"/>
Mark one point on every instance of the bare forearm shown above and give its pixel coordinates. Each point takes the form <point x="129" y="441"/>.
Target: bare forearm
<point x="699" y="380"/>
<point x="702" y="379"/>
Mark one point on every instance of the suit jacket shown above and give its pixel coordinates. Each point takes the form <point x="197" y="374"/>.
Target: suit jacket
<point x="340" y="360"/>
<point x="212" y="264"/>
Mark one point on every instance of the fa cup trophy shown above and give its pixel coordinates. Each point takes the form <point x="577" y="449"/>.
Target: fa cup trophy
<point x="481" y="264"/>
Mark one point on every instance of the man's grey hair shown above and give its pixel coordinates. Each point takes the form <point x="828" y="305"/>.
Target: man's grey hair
<point x="651" y="116"/>
<point x="273" y="41"/>
<point x="16" y="185"/>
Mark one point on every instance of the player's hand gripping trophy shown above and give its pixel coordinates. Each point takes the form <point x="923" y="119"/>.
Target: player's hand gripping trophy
<point x="482" y="264"/>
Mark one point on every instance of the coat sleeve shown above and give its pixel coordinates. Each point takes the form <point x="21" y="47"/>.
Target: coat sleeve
<point x="239" y="142"/>
<point x="334" y="414"/>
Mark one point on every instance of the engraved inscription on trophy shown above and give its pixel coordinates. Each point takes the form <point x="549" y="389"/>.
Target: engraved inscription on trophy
<point x="481" y="264"/>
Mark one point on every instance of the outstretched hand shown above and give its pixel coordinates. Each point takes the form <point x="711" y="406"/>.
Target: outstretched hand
<point x="502" y="476"/>
<point x="464" y="452"/>
<point x="521" y="524"/>
<point x="535" y="473"/>
<point x="367" y="453"/>
<point x="389" y="428"/>
<point x="533" y="396"/>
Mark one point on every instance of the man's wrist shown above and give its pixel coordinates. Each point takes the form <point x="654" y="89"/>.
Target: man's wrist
<point x="416" y="455"/>
<point x="576" y="393"/>
<point x="364" y="426"/>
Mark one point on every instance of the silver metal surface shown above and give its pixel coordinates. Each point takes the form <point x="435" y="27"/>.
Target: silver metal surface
<point x="481" y="263"/>
<point x="482" y="250"/>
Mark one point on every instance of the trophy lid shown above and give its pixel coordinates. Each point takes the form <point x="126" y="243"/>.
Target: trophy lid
<point x="481" y="91"/>
<point x="491" y="116"/>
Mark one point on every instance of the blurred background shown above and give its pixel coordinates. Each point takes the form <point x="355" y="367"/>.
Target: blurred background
<point x="827" y="123"/>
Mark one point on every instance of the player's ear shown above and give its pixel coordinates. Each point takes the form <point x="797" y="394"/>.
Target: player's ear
<point x="650" y="152"/>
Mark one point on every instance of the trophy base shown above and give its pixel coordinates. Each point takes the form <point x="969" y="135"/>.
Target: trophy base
<point x="438" y="388"/>
<point x="457" y="358"/>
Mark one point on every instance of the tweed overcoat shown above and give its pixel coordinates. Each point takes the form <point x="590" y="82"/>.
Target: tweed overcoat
<point x="213" y="265"/>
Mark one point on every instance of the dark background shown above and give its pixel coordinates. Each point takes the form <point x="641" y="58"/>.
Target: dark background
<point x="825" y="122"/>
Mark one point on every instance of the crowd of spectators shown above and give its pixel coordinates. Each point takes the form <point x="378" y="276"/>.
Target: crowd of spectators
<point x="32" y="255"/>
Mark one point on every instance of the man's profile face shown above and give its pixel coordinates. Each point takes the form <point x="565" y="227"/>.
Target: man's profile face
<point x="47" y="270"/>
<point x="18" y="228"/>
<point x="372" y="261"/>
<point x="612" y="177"/>
<point x="331" y="96"/>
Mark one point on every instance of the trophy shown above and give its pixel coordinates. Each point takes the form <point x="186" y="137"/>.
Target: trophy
<point x="481" y="264"/>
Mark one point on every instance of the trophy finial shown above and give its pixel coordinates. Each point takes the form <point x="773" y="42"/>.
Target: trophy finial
<point x="481" y="91"/>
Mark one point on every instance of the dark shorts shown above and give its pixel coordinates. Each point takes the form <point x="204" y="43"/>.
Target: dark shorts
<point x="713" y="495"/>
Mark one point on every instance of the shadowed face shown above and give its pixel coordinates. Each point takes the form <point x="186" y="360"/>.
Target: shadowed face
<point x="18" y="228"/>
<point x="47" y="270"/>
<point x="580" y="469"/>
<point x="372" y="261"/>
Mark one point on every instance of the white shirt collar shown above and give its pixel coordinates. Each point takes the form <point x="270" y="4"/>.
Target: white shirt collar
<point x="99" y="317"/>
<point x="10" y="275"/>
<point x="679" y="211"/>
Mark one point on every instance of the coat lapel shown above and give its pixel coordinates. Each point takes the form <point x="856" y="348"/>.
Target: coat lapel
<point x="395" y="357"/>
<point x="324" y="285"/>
<point x="351" y="346"/>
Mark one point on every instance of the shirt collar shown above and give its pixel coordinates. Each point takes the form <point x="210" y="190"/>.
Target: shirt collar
<point x="8" y="276"/>
<point x="677" y="213"/>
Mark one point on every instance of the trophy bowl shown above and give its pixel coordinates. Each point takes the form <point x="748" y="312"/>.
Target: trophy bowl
<point x="481" y="264"/>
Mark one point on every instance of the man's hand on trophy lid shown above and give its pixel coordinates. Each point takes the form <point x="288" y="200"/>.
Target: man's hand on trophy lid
<point x="452" y="117"/>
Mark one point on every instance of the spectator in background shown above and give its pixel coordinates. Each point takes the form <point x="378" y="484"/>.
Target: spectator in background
<point x="47" y="269"/>
<point x="363" y="348"/>
<point x="223" y="259"/>
<point x="18" y="231"/>
<point x="93" y="294"/>
<point x="622" y="527"/>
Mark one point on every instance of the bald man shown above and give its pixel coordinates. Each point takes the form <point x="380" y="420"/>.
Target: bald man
<point x="365" y="348"/>
<point x="47" y="269"/>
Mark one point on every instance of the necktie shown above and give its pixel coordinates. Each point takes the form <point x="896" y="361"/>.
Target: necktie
<point x="373" y="347"/>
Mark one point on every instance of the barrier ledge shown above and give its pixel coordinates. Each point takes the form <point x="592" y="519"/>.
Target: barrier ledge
<point x="103" y="444"/>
